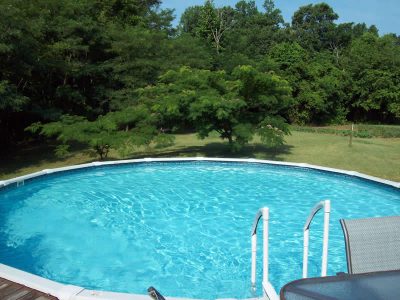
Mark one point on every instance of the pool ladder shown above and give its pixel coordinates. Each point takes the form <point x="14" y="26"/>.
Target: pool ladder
<point x="267" y="288"/>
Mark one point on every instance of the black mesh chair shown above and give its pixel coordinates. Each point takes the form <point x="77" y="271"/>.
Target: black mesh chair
<point x="373" y="262"/>
<point x="367" y="286"/>
<point x="372" y="244"/>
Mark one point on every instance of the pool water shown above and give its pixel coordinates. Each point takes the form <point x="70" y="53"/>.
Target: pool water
<point x="182" y="227"/>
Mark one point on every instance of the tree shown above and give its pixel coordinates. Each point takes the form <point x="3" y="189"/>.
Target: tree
<point x="134" y="126"/>
<point x="137" y="60"/>
<point x="190" y="20"/>
<point x="321" y="95"/>
<point x="212" y="23"/>
<point x="274" y="14"/>
<point x="374" y="64"/>
<point x="318" y="85"/>
<point x="222" y="23"/>
<point x="245" y="10"/>
<point x="313" y="24"/>
<point x="92" y="58"/>
<point x="236" y="106"/>
<point x="188" y="50"/>
<point x="20" y="32"/>
<point x="12" y="102"/>
<point x="252" y="36"/>
<point x="143" y="13"/>
<point x="339" y="39"/>
<point x="76" y="57"/>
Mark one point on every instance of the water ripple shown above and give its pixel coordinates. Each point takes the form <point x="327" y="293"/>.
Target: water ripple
<point x="182" y="227"/>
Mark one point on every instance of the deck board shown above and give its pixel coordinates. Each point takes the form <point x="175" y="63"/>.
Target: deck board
<point x="14" y="291"/>
<point x="19" y="295"/>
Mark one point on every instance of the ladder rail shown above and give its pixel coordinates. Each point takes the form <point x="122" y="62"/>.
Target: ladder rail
<point x="268" y="290"/>
<point x="264" y="214"/>
<point x="326" y="205"/>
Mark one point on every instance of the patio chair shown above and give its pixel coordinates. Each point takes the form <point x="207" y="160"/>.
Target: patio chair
<point x="372" y="244"/>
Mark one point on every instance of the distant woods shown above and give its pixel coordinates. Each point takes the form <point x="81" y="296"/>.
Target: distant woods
<point x="117" y="74"/>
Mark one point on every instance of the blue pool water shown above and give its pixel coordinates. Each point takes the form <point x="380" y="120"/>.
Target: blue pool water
<point x="181" y="227"/>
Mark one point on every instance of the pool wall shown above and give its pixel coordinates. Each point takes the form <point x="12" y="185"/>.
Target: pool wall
<point x="70" y="292"/>
<point x="63" y="291"/>
<point x="20" y="180"/>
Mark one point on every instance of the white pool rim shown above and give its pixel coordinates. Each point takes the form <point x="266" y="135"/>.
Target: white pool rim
<point x="71" y="292"/>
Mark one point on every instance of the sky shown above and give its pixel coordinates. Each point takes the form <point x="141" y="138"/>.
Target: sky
<point x="385" y="14"/>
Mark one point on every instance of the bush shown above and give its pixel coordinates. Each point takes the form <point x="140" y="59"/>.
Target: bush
<point x="384" y="131"/>
<point x="361" y="131"/>
<point x="363" y="134"/>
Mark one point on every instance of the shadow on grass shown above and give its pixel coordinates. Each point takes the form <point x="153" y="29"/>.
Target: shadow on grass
<point x="221" y="150"/>
<point x="29" y="158"/>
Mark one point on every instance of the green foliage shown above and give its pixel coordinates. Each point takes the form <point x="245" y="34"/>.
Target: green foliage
<point x="324" y="130"/>
<point x="135" y="61"/>
<point x="186" y="50"/>
<point x="374" y="64"/>
<point x="313" y="25"/>
<point x="272" y="131"/>
<point x="132" y="127"/>
<point x="62" y="150"/>
<point x="361" y="131"/>
<point x="319" y="86"/>
<point x="190" y="20"/>
<point x="110" y="63"/>
<point x="383" y="131"/>
<point x="288" y="55"/>
<point x="235" y="106"/>
<point x="11" y="99"/>
<point x="252" y="35"/>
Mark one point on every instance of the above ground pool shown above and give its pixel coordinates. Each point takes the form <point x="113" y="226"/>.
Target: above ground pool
<point x="182" y="227"/>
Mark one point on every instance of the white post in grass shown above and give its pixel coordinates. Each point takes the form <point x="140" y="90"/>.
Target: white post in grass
<point x="351" y="135"/>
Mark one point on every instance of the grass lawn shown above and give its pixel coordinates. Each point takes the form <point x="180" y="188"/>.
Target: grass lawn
<point x="377" y="156"/>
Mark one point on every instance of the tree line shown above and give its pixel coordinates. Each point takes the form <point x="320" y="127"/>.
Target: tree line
<point x="118" y="74"/>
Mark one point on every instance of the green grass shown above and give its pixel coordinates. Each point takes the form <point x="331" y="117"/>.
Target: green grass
<point x="376" y="156"/>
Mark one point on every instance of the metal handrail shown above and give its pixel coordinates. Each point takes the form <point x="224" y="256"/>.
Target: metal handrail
<point x="268" y="289"/>
<point x="264" y="213"/>
<point x="326" y="205"/>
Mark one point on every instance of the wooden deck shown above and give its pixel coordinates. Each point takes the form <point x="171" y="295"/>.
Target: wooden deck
<point x="13" y="291"/>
